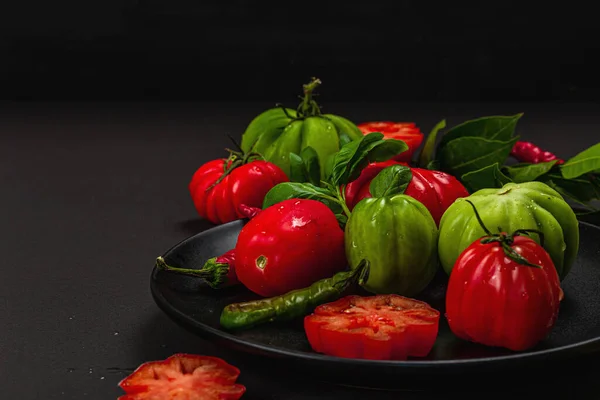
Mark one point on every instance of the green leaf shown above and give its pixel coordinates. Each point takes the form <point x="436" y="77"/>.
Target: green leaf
<point x="528" y="172"/>
<point x="354" y="156"/>
<point x="466" y="154"/>
<point x="584" y="162"/>
<point x="390" y="181"/>
<point x="500" y="128"/>
<point x="591" y="216"/>
<point x="297" y="169"/>
<point x="305" y="167"/>
<point x="342" y="220"/>
<point x="429" y="147"/>
<point x="579" y="190"/>
<point x="486" y="177"/>
<point x="312" y="167"/>
<point x="433" y="165"/>
<point x="295" y="190"/>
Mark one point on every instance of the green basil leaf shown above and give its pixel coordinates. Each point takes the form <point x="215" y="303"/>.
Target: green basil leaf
<point x="344" y="156"/>
<point x="297" y="169"/>
<point x="486" y="177"/>
<point x="584" y="162"/>
<point x="296" y="190"/>
<point x="433" y="165"/>
<point x="354" y="156"/>
<point x="390" y="181"/>
<point x="328" y="168"/>
<point x="312" y="166"/>
<point x="466" y="154"/>
<point x="528" y="172"/>
<point x="342" y="220"/>
<point x="429" y="147"/>
<point x="500" y="128"/>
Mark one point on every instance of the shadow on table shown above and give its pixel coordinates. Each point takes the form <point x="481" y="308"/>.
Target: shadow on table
<point x="193" y="226"/>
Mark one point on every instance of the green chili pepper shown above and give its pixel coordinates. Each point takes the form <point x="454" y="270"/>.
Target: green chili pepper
<point x="294" y="304"/>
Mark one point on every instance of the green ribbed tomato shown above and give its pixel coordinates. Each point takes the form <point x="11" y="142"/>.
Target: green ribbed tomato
<point x="398" y="235"/>
<point x="280" y="131"/>
<point x="529" y="205"/>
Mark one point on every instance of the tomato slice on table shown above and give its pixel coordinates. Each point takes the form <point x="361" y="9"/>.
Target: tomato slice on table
<point x="382" y="327"/>
<point x="408" y="132"/>
<point x="183" y="377"/>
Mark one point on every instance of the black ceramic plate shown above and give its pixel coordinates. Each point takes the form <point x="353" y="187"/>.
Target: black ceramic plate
<point x="197" y="307"/>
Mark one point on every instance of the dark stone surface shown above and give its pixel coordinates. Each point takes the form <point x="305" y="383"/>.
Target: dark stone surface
<point x="93" y="194"/>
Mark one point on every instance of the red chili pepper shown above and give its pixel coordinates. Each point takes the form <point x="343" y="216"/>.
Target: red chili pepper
<point x="530" y="153"/>
<point x="248" y="211"/>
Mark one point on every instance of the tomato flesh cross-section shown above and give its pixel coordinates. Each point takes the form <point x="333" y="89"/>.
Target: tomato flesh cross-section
<point x="382" y="327"/>
<point x="183" y="377"/>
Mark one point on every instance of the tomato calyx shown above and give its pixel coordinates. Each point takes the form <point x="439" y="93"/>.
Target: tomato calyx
<point x="506" y="240"/>
<point x="308" y="107"/>
<point x="236" y="159"/>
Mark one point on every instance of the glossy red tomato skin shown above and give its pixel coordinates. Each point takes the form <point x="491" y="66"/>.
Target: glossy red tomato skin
<point x="289" y="245"/>
<point x="183" y="376"/>
<point x="435" y="189"/>
<point x="381" y="327"/>
<point x="494" y="301"/>
<point x="247" y="184"/>
<point x="408" y="132"/>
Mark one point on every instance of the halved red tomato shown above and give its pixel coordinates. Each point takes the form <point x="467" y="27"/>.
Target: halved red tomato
<point x="183" y="376"/>
<point x="382" y="327"/>
<point x="408" y="132"/>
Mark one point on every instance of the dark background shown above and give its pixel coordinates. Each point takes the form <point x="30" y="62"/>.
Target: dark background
<point x="92" y="193"/>
<point x="180" y="50"/>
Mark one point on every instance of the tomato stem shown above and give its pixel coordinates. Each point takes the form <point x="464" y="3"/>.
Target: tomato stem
<point x="339" y="197"/>
<point x="342" y="200"/>
<point x="506" y="240"/>
<point x="214" y="273"/>
<point x="236" y="159"/>
<point x="309" y="107"/>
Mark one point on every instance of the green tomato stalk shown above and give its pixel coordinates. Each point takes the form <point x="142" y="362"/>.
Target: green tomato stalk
<point x="506" y="240"/>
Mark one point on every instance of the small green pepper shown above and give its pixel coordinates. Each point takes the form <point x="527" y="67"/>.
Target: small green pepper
<point x="295" y="304"/>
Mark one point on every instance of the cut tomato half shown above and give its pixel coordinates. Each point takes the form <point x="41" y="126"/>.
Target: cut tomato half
<point x="408" y="132"/>
<point x="382" y="327"/>
<point x="183" y="377"/>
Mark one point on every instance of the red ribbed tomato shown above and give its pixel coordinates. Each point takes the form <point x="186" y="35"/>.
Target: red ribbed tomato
<point x="435" y="189"/>
<point x="243" y="184"/>
<point x="503" y="291"/>
<point x="408" y="132"/>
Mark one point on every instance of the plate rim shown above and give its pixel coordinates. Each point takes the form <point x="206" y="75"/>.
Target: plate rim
<point x="208" y="331"/>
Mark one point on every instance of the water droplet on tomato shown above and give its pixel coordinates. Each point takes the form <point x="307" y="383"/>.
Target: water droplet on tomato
<point x="525" y="295"/>
<point x="300" y="222"/>
<point x="296" y="203"/>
